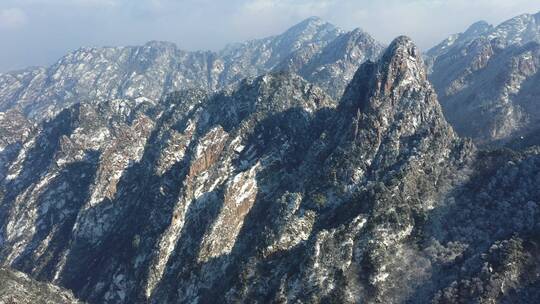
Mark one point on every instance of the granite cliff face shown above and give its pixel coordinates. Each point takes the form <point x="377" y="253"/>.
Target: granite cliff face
<point x="270" y="190"/>
<point x="313" y="48"/>
<point x="487" y="80"/>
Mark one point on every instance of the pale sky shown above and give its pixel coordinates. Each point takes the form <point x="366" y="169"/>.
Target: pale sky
<point x="38" y="32"/>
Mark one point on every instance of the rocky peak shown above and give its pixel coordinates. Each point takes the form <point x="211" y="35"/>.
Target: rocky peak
<point x="395" y="110"/>
<point x="359" y="33"/>
<point x="332" y="66"/>
<point x="393" y="141"/>
<point x="485" y="78"/>
<point x="310" y="32"/>
<point x="518" y="30"/>
<point x="474" y="31"/>
<point x="310" y="26"/>
<point x="402" y="66"/>
<point x="478" y="28"/>
<point x="357" y="44"/>
<point x="313" y="20"/>
<point x="399" y="73"/>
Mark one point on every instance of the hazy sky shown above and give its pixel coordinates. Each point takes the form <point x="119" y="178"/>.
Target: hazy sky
<point x="38" y="32"/>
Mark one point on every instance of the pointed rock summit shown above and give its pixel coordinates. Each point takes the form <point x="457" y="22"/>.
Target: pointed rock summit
<point x="401" y="96"/>
<point x="393" y="132"/>
<point x="397" y="79"/>
<point x="402" y="44"/>
<point x="478" y="28"/>
<point x="392" y="105"/>
<point x="401" y="66"/>
<point x="310" y="23"/>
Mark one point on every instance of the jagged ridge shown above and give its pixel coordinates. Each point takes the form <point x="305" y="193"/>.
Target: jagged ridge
<point x="148" y="72"/>
<point x="272" y="191"/>
<point x="486" y="80"/>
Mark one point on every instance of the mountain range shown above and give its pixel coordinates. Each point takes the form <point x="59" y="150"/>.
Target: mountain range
<point x="316" y="166"/>
<point x="314" y="49"/>
<point x="487" y="79"/>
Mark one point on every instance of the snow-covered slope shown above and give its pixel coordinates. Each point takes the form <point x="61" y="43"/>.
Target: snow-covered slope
<point x="148" y="72"/>
<point x="487" y="79"/>
<point x="272" y="191"/>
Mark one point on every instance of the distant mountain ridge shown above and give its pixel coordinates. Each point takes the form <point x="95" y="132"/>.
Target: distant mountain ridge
<point x="148" y="72"/>
<point x="487" y="79"/>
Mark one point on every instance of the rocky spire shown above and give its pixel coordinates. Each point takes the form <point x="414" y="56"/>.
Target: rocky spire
<point x="401" y="68"/>
<point x="395" y="91"/>
<point x="393" y="121"/>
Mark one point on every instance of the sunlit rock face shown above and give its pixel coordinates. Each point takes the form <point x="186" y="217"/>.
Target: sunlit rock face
<point x="271" y="190"/>
<point x="487" y="80"/>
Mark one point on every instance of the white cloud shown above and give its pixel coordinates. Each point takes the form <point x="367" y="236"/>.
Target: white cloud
<point x="12" y="18"/>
